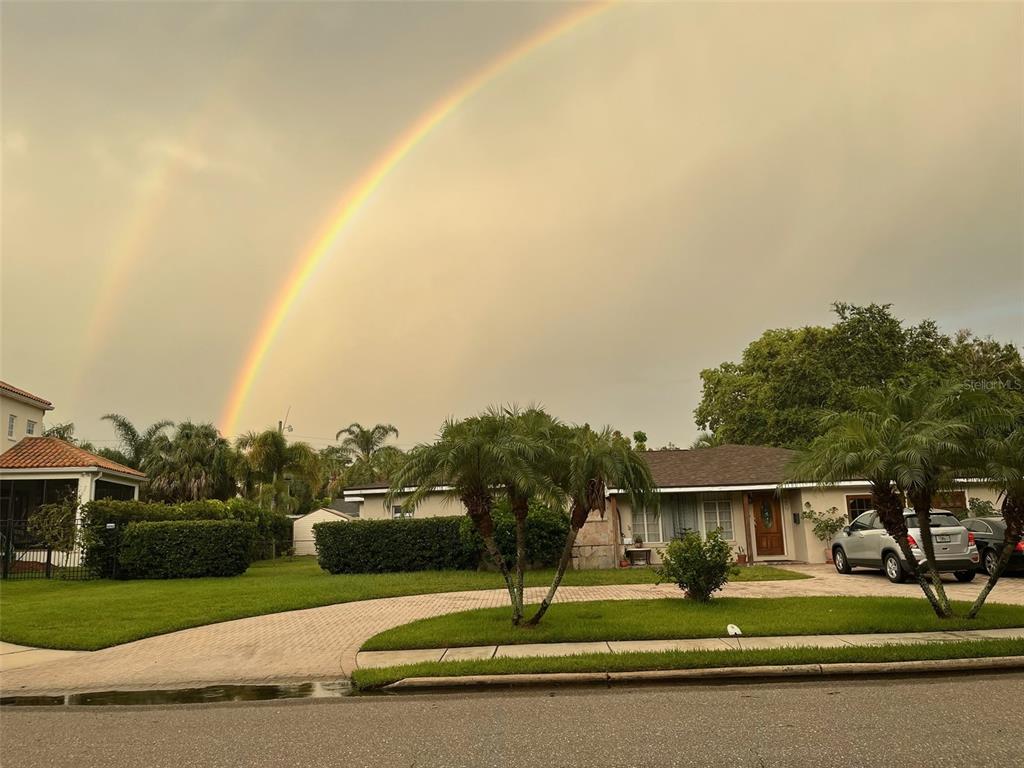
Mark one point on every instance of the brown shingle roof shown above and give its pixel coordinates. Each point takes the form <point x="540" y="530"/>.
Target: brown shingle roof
<point x="703" y="467"/>
<point x="721" y="465"/>
<point x="21" y="393"/>
<point x="53" y="453"/>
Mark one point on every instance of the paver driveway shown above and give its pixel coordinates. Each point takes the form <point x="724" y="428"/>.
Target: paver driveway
<point x="322" y="642"/>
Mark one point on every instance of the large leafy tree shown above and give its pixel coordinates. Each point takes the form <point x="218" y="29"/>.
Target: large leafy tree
<point x="192" y="464"/>
<point x="371" y="457"/>
<point x="587" y="464"/>
<point x="774" y="394"/>
<point x="135" y="444"/>
<point x="272" y="470"/>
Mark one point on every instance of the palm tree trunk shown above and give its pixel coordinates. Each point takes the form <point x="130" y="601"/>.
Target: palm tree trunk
<point x="1013" y="513"/>
<point x="484" y="524"/>
<point x="520" y="507"/>
<point x="922" y="504"/>
<point x="563" y="564"/>
<point x="908" y="555"/>
<point x="890" y="511"/>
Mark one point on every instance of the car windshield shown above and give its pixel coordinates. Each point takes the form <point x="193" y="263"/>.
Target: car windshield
<point x="938" y="519"/>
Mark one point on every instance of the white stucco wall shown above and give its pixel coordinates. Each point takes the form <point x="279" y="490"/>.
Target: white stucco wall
<point x="302" y="529"/>
<point x="23" y="413"/>
<point x="435" y="505"/>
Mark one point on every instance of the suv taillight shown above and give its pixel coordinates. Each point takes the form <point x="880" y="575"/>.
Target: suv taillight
<point x="911" y="541"/>
<point x="1020" y="546"/>
<point x="970" y="537"/>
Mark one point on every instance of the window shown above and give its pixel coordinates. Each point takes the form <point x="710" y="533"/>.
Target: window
<point x="978" y="526"/>
<point x="646" y="525"/>
<point x="678" y="515"/>
<point x="10" y="425"/>
<point x="398" y="512"/>
<point x="30" y="428"/>
<point x="857" y="505"/>
<point x="718" y="514"/>
<point x="863" y="522"/>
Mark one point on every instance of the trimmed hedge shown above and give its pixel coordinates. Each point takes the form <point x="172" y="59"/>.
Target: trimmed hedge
<point x="435" y="543"/>
<point x="102" y="543"/>
<point x="390" y="546"/>
<point x="184" y="549"/>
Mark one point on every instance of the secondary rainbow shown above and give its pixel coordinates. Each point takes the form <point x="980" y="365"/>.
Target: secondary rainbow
<point x="359" y="193"/>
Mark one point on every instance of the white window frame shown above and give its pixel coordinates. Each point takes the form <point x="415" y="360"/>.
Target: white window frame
<point x="11" y="419"/>
<point x="398" y="512"/>
<point x="718" y="500"/>
<point x="644" y="519"/>
<point x="30" y="427"/>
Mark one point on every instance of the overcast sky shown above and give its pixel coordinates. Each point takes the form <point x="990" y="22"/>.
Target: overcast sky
<point x="629" y="204"/>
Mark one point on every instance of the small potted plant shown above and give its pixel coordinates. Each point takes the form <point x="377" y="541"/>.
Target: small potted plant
<point x="741" y="556"/>
<point x="825" y="525"/>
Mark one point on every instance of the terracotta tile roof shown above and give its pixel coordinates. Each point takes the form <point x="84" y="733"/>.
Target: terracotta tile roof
<point x="701" y="467"/>
<point x="21" y="393"/>
<point x="721" y="465"/>
<point x="53" y="453"/>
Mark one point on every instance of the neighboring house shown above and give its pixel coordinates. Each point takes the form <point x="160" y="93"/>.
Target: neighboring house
<point x="302" y="527"/>
<point x="21" y="414"/>
<point x="44" y="470"/>
<point x="735" y="488"/>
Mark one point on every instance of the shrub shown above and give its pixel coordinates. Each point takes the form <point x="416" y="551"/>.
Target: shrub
<point x="981" y="507"/>
<point x="104" y="522"/>
<point x="699" y="566"/>
<point x="389" y="546"/>
<point x="546" y="530"/>
<point x="53" y="524"/>
<point x="181" y="549"/>
<point x="826" y="525"/>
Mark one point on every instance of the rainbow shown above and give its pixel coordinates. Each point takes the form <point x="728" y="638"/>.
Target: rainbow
<point x="357" y="195"/>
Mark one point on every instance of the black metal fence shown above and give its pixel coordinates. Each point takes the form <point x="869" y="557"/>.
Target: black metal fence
<point x="24" y="556"/>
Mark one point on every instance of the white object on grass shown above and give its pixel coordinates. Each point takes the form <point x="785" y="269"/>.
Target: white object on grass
<point x="733" y="630"/>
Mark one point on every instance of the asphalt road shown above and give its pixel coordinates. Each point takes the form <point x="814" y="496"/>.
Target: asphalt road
<point x="819" y="724"/>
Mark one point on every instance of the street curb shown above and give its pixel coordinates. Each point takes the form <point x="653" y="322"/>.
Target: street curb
<point x="796" y="671"/>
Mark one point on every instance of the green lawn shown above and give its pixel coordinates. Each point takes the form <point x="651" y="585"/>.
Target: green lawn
<point x="669" y="619"/>
<point x="87" y="615"/>
<point x="368" y="679"/>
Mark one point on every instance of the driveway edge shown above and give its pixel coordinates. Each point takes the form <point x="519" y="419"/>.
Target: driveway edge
<point x="796" y="671"/>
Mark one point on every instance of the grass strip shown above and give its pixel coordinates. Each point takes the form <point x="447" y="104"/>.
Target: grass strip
<point x="670" y="619"/>
<point x="89" y="615"/>
<point x="371" y="679"/>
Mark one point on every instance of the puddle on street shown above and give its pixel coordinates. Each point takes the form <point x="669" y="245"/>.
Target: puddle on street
<point x="208" y="695"/>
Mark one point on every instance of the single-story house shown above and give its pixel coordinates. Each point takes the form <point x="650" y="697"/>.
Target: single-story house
<point x="740" y="489"/>
<point x="44" y="470"/>
<point x="302" y="527"/>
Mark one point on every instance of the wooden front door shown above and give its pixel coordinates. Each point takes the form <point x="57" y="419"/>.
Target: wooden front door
<point x="768" y="524"/>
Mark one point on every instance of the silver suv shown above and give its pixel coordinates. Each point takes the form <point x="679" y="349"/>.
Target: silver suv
<point x="864" y="542"/>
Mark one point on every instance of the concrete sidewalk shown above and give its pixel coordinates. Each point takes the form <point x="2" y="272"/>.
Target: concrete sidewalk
<point x="17" y="656"/>
<point x="368" y="659"/>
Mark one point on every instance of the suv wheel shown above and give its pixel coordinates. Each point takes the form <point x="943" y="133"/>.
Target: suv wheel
<point x="840" y="561"/>
<point x="991" y="560"/>
<point x="893" y="568"/>
<point x="965" y="576"/>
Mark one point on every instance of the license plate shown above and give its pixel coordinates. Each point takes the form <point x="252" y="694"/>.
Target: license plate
<point x="942" y="539"/>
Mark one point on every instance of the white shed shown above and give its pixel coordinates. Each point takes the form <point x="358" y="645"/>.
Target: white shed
<point x="302" y="528"/>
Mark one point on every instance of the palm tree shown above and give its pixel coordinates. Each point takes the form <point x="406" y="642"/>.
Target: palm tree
<point x="587" y="464"/>
<point x="1001" y="461"/>
<point x="268" y="462"/>
<point x="195" y="463"/>
<point x="707" y="440"/>
<point x="470" y="460"/>
<point x="365" y="447"/>
<point x="899" y="441"/>
<point x="135" y="445"/>
<point x="531" y="437"/>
